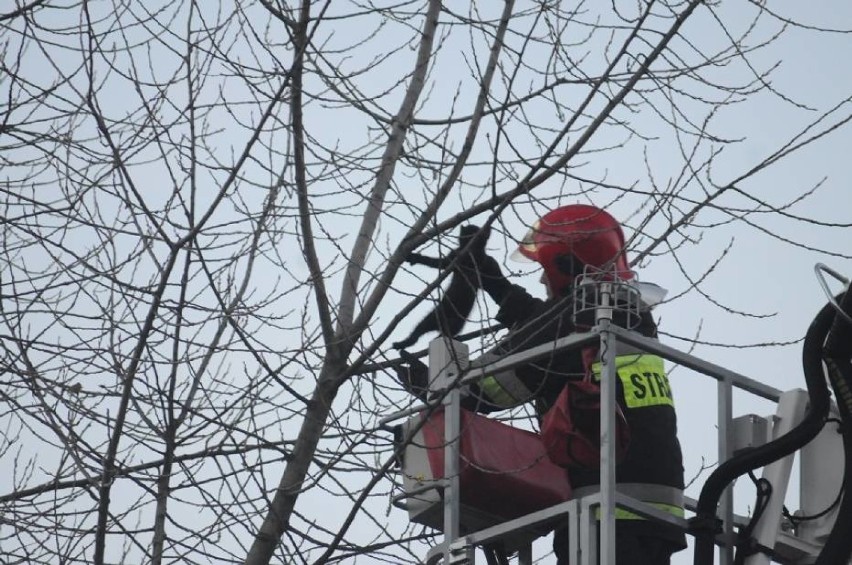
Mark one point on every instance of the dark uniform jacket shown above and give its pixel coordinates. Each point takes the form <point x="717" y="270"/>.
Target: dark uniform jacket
<point x="652" y="469"/>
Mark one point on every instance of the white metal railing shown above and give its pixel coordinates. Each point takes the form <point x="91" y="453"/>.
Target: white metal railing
<point x="450" y="371"/>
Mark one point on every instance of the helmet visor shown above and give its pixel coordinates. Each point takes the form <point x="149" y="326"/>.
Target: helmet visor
<point x="529" y="247"/>
<point x="527" y="250"/>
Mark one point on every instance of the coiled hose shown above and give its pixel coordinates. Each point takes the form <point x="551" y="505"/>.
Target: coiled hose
<point x="706" y="525"/>
<point x="838" y="360"/>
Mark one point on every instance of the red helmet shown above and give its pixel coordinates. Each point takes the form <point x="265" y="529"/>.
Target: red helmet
<point x="579" y="230"/>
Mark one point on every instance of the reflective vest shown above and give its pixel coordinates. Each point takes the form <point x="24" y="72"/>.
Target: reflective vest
<point x="642" y="375"/>
<point x="652" y="471"/>
<point x="505" y="389"/>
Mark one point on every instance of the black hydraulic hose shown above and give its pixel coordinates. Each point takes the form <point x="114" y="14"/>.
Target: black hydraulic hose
<point x="705" y="525"/>
<point x="838" y="359"/>
<point x="838" y="545"/>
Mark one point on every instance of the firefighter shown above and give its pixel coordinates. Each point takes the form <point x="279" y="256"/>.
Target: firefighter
<point x="567" y="242"/>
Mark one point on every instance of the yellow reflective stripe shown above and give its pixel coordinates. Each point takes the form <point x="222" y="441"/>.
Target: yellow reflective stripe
<point x="624" y="514"/>
<point x="496" y="393"/>
<point x="643" y="378"/>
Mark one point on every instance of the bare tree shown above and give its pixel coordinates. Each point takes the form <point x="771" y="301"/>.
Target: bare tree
<point x="207" y="206"/>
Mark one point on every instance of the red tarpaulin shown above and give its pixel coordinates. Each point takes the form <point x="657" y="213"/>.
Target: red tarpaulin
<point x="503" y="470"/>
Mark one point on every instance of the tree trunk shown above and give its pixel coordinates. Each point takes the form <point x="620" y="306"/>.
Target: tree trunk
<point x="281" y="509"/>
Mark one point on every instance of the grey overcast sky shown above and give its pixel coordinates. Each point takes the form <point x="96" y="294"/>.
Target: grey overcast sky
<point x="763" y="290"/>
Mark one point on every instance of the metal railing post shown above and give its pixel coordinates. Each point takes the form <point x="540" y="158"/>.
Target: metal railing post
<point x="726" y="504"/>
<point x="447" y="360"/>
<point x="607" y="525"/>
<point x="790" y="412"/>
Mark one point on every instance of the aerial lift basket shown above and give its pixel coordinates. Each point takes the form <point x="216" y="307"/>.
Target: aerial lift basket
<point x="504" y="473"/>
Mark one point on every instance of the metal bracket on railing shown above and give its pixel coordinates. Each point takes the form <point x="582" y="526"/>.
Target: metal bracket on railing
<point x="384" y="423"/>
<point x="602" y="293"/>
<point x="398" y="500"/>
<point x="460" y="553"/>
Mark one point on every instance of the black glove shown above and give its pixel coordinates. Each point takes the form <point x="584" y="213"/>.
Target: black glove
<point x="413" y="375"/>
<point x="494" y="282"/>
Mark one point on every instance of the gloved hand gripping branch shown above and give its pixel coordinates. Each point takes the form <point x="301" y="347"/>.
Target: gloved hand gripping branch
<point x="472" y="268"/>
<point x="494" y="282"/>
<point x="449" y="315"/>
